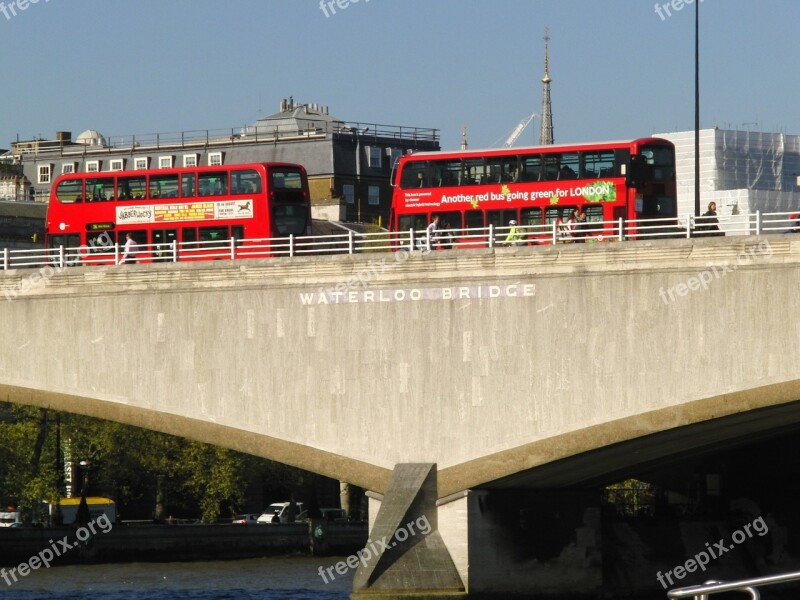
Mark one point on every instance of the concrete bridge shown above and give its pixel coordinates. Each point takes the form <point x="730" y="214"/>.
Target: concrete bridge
<point x="431" y="380"/>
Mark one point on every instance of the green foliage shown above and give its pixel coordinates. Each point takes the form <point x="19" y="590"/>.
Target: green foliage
<point x="149" y="474"/>
<point x="631" y="498"/>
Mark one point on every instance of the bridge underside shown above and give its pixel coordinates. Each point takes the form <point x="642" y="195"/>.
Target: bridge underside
<point x="583" y="457"/>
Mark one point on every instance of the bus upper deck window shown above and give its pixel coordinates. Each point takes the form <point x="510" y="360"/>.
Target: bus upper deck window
<point x="70" y="191"/>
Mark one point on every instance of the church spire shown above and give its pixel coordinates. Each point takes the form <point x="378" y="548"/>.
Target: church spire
<point x="546" y="132"/>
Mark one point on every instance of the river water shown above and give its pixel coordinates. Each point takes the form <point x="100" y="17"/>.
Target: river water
<point x="293" y="578"/>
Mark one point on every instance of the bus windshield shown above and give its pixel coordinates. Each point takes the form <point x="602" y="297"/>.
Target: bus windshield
<point x="290" y="219"/>
<point x="661" y="159"/>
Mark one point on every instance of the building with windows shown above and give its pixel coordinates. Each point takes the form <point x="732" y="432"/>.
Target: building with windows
<point x="349" y="164"/>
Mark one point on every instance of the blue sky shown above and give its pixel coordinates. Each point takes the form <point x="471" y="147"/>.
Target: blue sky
<point x="619" y="69"/>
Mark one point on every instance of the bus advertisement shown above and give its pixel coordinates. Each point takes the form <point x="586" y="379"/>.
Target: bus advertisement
<point x="535" y="187"/>
<point x="197" y="208"/>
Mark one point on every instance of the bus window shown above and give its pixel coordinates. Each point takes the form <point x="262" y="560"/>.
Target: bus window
<point x="162" y="240"/>
<point x="661" y="160"/>
<point x="283" y="179"/>
<point x="531" y="168"/>
<point x="509" y="172"/>
<point x="445" y="173"/>
<point x="131" y="188"/>
<point x="100" y="189"/>
<point x="501" y="169"/>
<point x="552" y="212"/>
<point x="570" y="166"/>
<point x="188" y="237"/>
<point x="451" y="220"/>
<point x="549" y="167"/>
<point x="187" y="185"/>
<point x="289" y="219"/>
<point x="213" y="234"/>
<point x="237" y="232"/>
<point x="287" y="186"/>
<point x="474" y="171"/>
<point x="100" y="241"/>
<point x="139" y="236"/>
<point x="500" y="218"/>
<point x="594" y="213"/>
<point x="212" y="184"/>
<point x="70" y="240"/>
<point x="473" y="219"/>
<point x="163" y="186"/>
<point x="70" y="191"/>
<point x="598" y="163"/>
<point x="415" y="222"/>
<point x="530" y="217"/>
<point x="414" y="175"/>
<point x="246" y="182"/>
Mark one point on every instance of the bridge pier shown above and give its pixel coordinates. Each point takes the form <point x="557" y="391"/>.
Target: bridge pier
<point x="405" y="556"/>
<point x="479" y="543"/>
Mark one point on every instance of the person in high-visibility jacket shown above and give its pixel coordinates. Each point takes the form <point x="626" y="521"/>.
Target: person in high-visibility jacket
<point x="515" y="236"/>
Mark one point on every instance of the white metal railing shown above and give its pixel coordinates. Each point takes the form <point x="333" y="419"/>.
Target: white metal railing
<point x="351" y="242"/>
<point x="749" y="586"/>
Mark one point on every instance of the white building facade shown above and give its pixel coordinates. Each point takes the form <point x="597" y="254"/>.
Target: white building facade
<point x="742" y="171"/>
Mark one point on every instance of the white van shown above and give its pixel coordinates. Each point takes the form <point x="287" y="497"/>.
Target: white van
<point x="278" y="512"/>
<point x="10" y="518"/>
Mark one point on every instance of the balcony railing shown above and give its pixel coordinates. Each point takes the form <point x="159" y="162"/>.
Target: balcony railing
<point x="248" y="134"/>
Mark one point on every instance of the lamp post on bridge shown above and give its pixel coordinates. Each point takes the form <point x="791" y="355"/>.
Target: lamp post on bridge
<point x="697" y="108"/>
<point x="83" y="516"/>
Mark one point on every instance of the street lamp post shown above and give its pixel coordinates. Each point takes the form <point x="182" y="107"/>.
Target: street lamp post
<point x="697" y="109"/>
<point x="358" y="135"/>
<point x="83" y="516"/>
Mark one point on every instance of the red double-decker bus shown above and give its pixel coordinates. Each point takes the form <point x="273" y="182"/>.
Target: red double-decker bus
<point x="632" y="180"/>
<point x="197" y="207"/>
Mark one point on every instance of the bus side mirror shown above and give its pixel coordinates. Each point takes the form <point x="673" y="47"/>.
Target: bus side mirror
<point x="637" y="172"/>
<point x="394" y="169"/>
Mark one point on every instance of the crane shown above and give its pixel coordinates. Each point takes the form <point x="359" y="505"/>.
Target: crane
<point x="518" y="130"/>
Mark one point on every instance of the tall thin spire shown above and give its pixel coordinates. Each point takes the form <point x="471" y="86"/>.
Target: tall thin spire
<point x="546" y="132"/>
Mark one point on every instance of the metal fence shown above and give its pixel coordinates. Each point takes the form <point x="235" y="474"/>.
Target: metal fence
<point x="352" y="242"/>
<point x="747" y="586"/>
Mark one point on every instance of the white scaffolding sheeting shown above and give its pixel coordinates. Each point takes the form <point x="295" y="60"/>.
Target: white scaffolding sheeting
<point x="742" y="171"/>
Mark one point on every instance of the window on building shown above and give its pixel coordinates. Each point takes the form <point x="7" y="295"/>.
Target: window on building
<point x="67" y="168"/>
<point x="141" y="163"/>
<point x="45" y="172"/>
<point x="190" y="160"/>
<point x="118" y="164"/>
<point x="164" y="162"/>
<point x="395" y="154"/>
<point x="214" y="159"/>
<point x="349" y="193"/>
<point x="92" y="166"/>
<point x="374" y="195"/>
<point x="374" y="156"/>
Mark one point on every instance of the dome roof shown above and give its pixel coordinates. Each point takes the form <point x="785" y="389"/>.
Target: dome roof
<point x="90" y="137"/>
